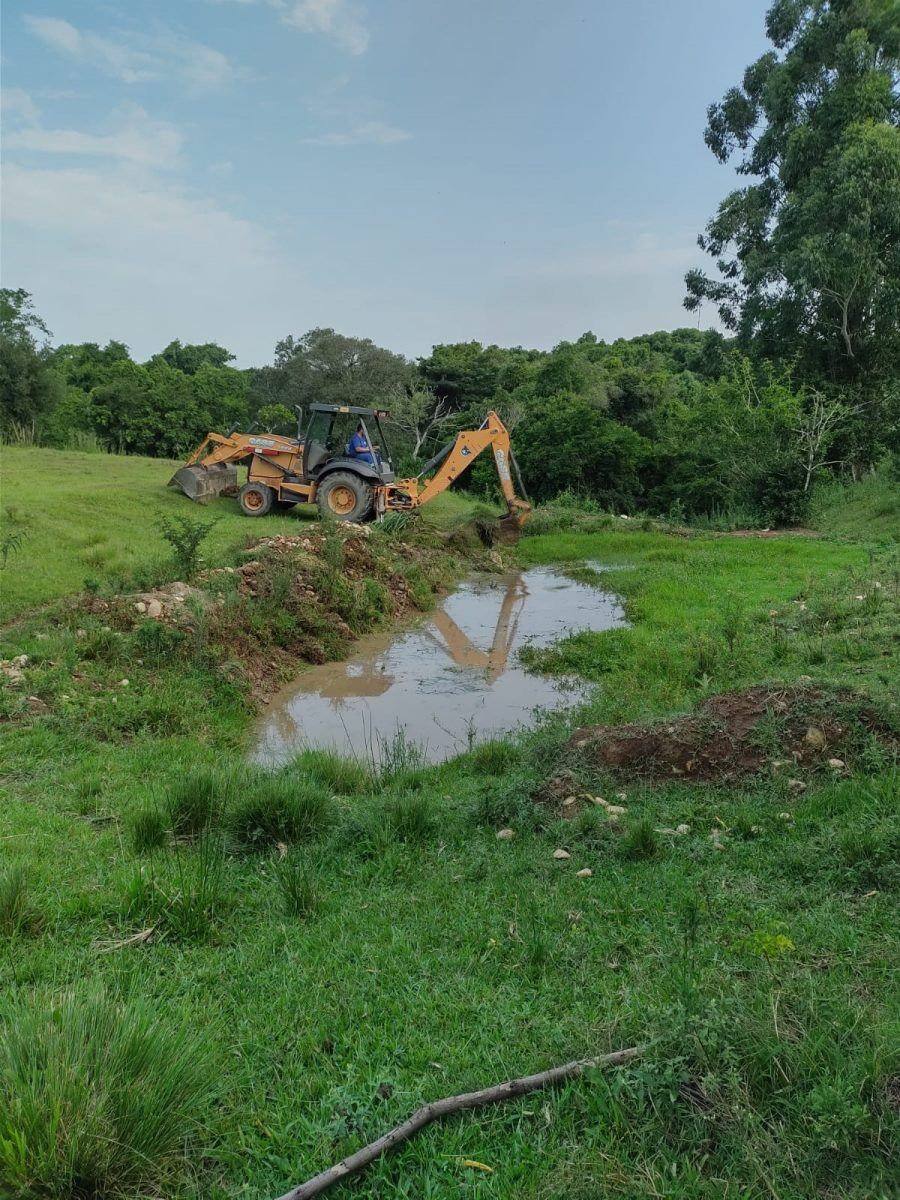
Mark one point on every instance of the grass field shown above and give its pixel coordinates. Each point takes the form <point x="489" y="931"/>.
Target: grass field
<point x="289" y="1004"/>
<point x="91" y="516"/>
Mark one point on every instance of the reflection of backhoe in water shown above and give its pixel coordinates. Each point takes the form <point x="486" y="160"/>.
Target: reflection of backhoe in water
<point x="463" y="650"/>
<point x="369" y="677"/>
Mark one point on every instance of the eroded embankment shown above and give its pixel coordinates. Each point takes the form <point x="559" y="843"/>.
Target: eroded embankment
<point x="288" y="601"/>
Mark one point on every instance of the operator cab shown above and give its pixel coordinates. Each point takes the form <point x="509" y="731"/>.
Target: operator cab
<point x="327" y="440"/>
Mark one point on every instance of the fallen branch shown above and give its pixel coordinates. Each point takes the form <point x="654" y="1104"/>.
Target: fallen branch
<point x="443" y="1108"/>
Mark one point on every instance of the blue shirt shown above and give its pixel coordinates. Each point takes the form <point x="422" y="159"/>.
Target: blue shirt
<point x="359" y="448"/>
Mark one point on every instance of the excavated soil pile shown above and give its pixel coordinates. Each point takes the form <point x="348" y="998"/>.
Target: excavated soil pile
<point x="737" y="734"/>
<point x="293" y="599"/>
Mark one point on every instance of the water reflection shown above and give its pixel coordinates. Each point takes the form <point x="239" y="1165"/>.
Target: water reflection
<point x="455" y="674"/>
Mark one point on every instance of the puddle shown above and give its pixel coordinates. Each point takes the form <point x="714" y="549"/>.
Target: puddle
<point x="456" y="671"/>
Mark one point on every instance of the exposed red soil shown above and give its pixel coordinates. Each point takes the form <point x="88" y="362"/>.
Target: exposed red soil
<point x="737" y="734"/>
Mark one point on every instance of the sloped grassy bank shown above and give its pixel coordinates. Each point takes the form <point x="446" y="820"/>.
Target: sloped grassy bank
<point x="331" y="948"/>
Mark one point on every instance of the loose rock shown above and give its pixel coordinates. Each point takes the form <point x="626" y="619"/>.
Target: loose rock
<point x="561" y="854"/>
<point x="505" y="835"/>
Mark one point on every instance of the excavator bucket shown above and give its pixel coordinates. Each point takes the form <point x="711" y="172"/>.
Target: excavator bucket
<point x="509" y="527"/>
<point x="204" y="483"/>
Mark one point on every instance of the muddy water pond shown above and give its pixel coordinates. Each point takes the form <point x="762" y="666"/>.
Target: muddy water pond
<point x="438" y="684"/>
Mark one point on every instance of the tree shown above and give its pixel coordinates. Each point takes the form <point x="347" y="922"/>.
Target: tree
<point x="29" y="388"/>
<point x="324" y="367"/>
<point x="420" y="415"/>
<point x="808" y="254"/>
<point x="190" y="357"/>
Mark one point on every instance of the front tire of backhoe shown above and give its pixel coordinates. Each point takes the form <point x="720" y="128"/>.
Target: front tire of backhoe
<point x="344" y="496"/>
<point x="255" y="499"/>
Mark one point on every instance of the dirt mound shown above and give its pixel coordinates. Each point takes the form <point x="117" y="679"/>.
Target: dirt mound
<point x="737" y="734"/>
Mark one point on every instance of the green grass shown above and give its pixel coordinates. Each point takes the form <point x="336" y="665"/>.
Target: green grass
<point x="402" y="951"/>
<point x="867" y="511"/>
<point x="88" y="516"/>
<point x="97" y="1095"/>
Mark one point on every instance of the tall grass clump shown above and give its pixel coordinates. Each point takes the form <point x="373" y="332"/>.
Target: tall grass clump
<point x="408" y="817"/>
<point x="641" y="841"/>
<point x="17" y="914"/>
<point x="182" y="894"/>
<point x="198" y="800"/>
<point x="297" y="885"/>
<point x="493" y="757"/>
<point x="98" y="1098"/>
<point x="279" y="808"/>
<point x="147" y="829"/>
<point x="343" y="776"/>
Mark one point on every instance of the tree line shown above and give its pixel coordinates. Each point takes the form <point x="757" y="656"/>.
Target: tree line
<point x="806" y="282"/>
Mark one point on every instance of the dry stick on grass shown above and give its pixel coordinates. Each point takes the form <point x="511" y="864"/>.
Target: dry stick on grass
<point x="451" y="1104"/>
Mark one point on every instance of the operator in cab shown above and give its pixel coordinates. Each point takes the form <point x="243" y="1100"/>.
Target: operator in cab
<point x="358" y="447"/>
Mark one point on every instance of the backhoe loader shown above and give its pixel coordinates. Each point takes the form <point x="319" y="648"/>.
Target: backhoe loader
<point x="318" y="468"/>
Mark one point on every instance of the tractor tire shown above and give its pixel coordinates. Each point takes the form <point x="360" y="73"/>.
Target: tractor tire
<point x="255" y="499"/>
<point x="344" y="496"/>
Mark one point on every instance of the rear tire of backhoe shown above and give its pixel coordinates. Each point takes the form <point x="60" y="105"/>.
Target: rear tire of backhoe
<point x="255" y="499"/>
<point x="344" y="496"/>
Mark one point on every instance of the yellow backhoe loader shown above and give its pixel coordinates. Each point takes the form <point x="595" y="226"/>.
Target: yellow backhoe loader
<point x="318" y="467"/>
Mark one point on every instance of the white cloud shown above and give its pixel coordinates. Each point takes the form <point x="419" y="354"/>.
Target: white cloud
<point x="137" y="139"/>
<point x="372" y="133"/>
<point x="142" y="58"/>
<point x="337" y="19"/>
<point x="341" y="20"/>
<point x="644" y="254"/>
<point x="205" y="67"/>
<point x="16" y="103"/>
<point x="125" y="62"/>
<point x="143" y="259"/>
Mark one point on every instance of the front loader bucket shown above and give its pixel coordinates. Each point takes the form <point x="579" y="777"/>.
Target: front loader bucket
<point x="204" y="483"/>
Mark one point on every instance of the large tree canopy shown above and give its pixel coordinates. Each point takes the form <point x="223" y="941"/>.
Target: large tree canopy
<point x="808" y="254"/>
<point x="325" y="367"/>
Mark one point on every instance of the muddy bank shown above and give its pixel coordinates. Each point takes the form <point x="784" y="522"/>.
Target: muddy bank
<point x="737" y="734"/>
<point x="297" y="600"/>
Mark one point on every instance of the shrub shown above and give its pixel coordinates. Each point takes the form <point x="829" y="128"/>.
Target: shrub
<point x="16" y="912"/>
<point x="146" y="829"/>
<point x="185" y="535"/>
<point x="96" y="1096"/>
<point x="279" y="809"/>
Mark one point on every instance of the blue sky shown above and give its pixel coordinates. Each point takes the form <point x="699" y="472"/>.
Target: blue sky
<point x="415" y="171"/>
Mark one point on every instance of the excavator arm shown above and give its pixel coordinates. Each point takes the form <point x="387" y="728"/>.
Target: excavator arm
<point x="459" y="455"/>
